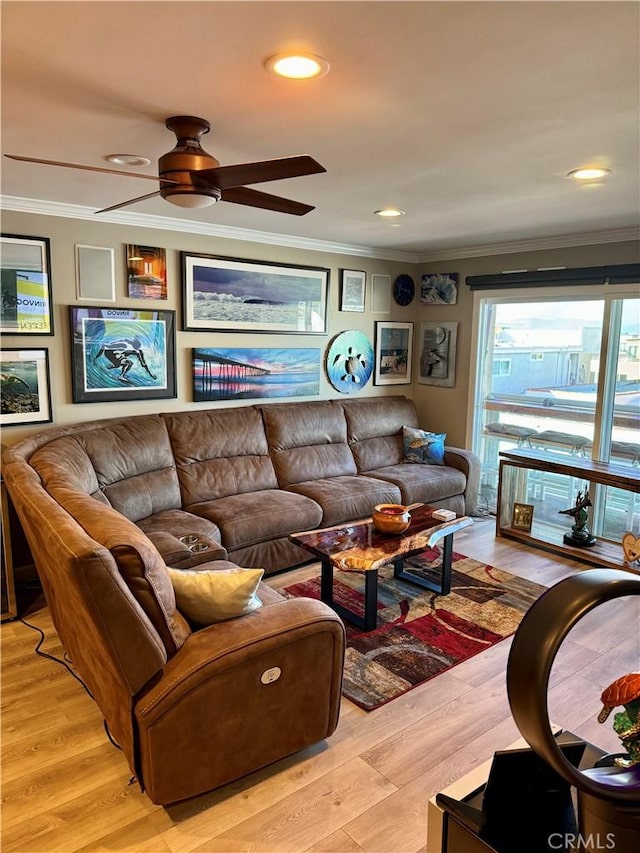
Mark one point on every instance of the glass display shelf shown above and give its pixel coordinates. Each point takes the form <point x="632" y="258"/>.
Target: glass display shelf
<point x="545" y="484"/>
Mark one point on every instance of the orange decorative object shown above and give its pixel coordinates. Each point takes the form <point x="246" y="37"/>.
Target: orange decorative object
<point x="391" y="518"/>
<point x="622" y="691"/>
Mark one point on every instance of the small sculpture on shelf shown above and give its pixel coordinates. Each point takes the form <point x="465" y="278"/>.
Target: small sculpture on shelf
<point x="580" y="535"/>
<point x="624" y="691"/>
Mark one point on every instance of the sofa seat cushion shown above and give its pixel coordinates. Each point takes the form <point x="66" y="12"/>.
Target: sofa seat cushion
<point x="259" y="516"/>
<point x="422" y="483"/>
<point x="168" y="529"/>
<point x="347" y="498"/>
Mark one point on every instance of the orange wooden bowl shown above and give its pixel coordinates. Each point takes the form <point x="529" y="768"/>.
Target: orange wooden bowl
<point x="391" y="518"/>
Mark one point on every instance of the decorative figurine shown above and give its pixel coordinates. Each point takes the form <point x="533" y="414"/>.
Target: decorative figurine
<point x="626" y="724"/>
<point x="580" y="536"/>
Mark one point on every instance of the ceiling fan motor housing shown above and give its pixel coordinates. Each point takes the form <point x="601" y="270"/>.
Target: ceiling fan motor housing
<point x="183" y="163"/>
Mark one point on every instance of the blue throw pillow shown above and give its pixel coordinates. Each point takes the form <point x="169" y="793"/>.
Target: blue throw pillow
<point x="424" y="447"/>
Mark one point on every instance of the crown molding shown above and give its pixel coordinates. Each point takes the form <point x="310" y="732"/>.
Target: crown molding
<point x="187" y="226"/>
<point x="619" y="235"/>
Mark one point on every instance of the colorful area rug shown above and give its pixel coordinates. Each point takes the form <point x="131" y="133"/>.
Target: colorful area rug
<point x="420" y="633"/>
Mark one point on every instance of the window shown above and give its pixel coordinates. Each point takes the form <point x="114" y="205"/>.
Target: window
<point x="561" y="375"/>
<point x="502" y="367"/>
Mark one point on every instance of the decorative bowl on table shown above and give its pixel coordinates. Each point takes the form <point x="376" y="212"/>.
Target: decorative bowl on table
<point x="391" y="518"/>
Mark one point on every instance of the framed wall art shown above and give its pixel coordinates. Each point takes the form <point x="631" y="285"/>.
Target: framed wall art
<point x="394" y="348"/>
<point x="121" y="354"/>
<point x="380" y="294"/>
<point x="246" y="373"/>
<point x="438" y="354"/>
<point x="349" y="361"/>
<point x="352" y="287"/>
<point x="26" y="390"/>
<point x="235" y="295"/>
<point x="26" y="304"/>
<point x="439" y="288"/>
<point x="146" y="272"/>
<point x="95" y="273"/>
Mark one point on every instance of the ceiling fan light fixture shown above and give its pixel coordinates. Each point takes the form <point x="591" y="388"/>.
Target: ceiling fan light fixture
<point x="300" y="66"/>
<point x="589" y="173"/>
<point x="389" y="212"/>
<point x="191" y="200"/>
<point x="127" y="159"/>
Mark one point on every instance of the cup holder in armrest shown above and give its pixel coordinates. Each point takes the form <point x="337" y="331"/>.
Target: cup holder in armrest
<point x="194" y="543"/>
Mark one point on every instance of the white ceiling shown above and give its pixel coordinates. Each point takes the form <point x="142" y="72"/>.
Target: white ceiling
<point x="467" y="115"/>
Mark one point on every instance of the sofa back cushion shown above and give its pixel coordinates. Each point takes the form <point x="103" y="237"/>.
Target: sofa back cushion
<point x="308" y="441"/>
<point x="134" y="465"/>
<point x="64" y="463"/>
<point x="374" y="427"/>
<point x="139" y="563"/>
<point x="219" y="453"/>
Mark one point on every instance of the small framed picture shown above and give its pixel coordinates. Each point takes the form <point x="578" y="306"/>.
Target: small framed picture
<point x="26" y="394"/>
<point x="522" y="517"/>
<point x="95" y="274"/>
<point x="352" y="285"/>
<point x="394" y="347"/>
<point x="146" y="272"/>
<point x="439" y="288"/>
<point x="26" y="304"/>
<point x="380" y="294"/>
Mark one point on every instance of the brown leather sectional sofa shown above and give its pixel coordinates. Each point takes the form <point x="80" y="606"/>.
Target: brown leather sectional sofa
<point x="104" y="505"/>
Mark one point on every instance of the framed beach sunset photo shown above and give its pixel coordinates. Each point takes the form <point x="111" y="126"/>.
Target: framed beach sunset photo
<point x="234" y="295"/>
<point x="243" y="373"/>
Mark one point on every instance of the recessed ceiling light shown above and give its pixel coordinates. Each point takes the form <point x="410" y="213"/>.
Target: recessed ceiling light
<point x="301" y="66"/>
<point x="389" y="212"/>
<point x="589" y="173"/>
<point x="127" y="160"/>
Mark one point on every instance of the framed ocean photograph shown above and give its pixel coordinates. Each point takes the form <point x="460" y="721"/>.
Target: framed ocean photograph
<point x="122" y="354"/>
<point x="236" y="373"/>
<point x="25" y="386"/>
<point x="235" y="295"/>
<point x="26" y="303"/>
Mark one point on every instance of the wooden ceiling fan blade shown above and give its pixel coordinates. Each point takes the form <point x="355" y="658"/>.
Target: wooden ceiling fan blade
<point x="126" y="203"/>
<point x="255" y="198"/>
<point x="88" y="168"/>
<point x="225" y="177"/>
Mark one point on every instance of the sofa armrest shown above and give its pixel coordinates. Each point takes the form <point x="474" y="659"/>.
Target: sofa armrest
<point x="177" y="554"/>
<point x="470" y="465"/>
<point x="225" y="644"/>
<point x="239" y="695"/>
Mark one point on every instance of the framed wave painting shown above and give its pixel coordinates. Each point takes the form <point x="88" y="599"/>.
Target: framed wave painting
<point x="235" y="295"/>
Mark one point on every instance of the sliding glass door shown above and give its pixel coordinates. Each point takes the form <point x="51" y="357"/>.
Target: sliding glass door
<point x="560" y="376"/>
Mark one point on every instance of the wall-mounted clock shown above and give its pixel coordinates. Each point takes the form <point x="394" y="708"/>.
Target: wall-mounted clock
<point x="404" y="289"/>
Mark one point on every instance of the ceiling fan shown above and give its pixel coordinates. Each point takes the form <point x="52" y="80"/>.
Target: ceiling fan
<point x="190" y="177"/>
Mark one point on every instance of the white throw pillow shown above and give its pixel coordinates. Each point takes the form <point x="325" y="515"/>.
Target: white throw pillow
<point x="213" y="596"/>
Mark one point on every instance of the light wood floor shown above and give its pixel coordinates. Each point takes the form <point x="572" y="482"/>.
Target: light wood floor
<point x="65" y="788"/>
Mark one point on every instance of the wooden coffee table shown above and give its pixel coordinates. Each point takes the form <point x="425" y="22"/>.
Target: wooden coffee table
<point x="359" y="547"/>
